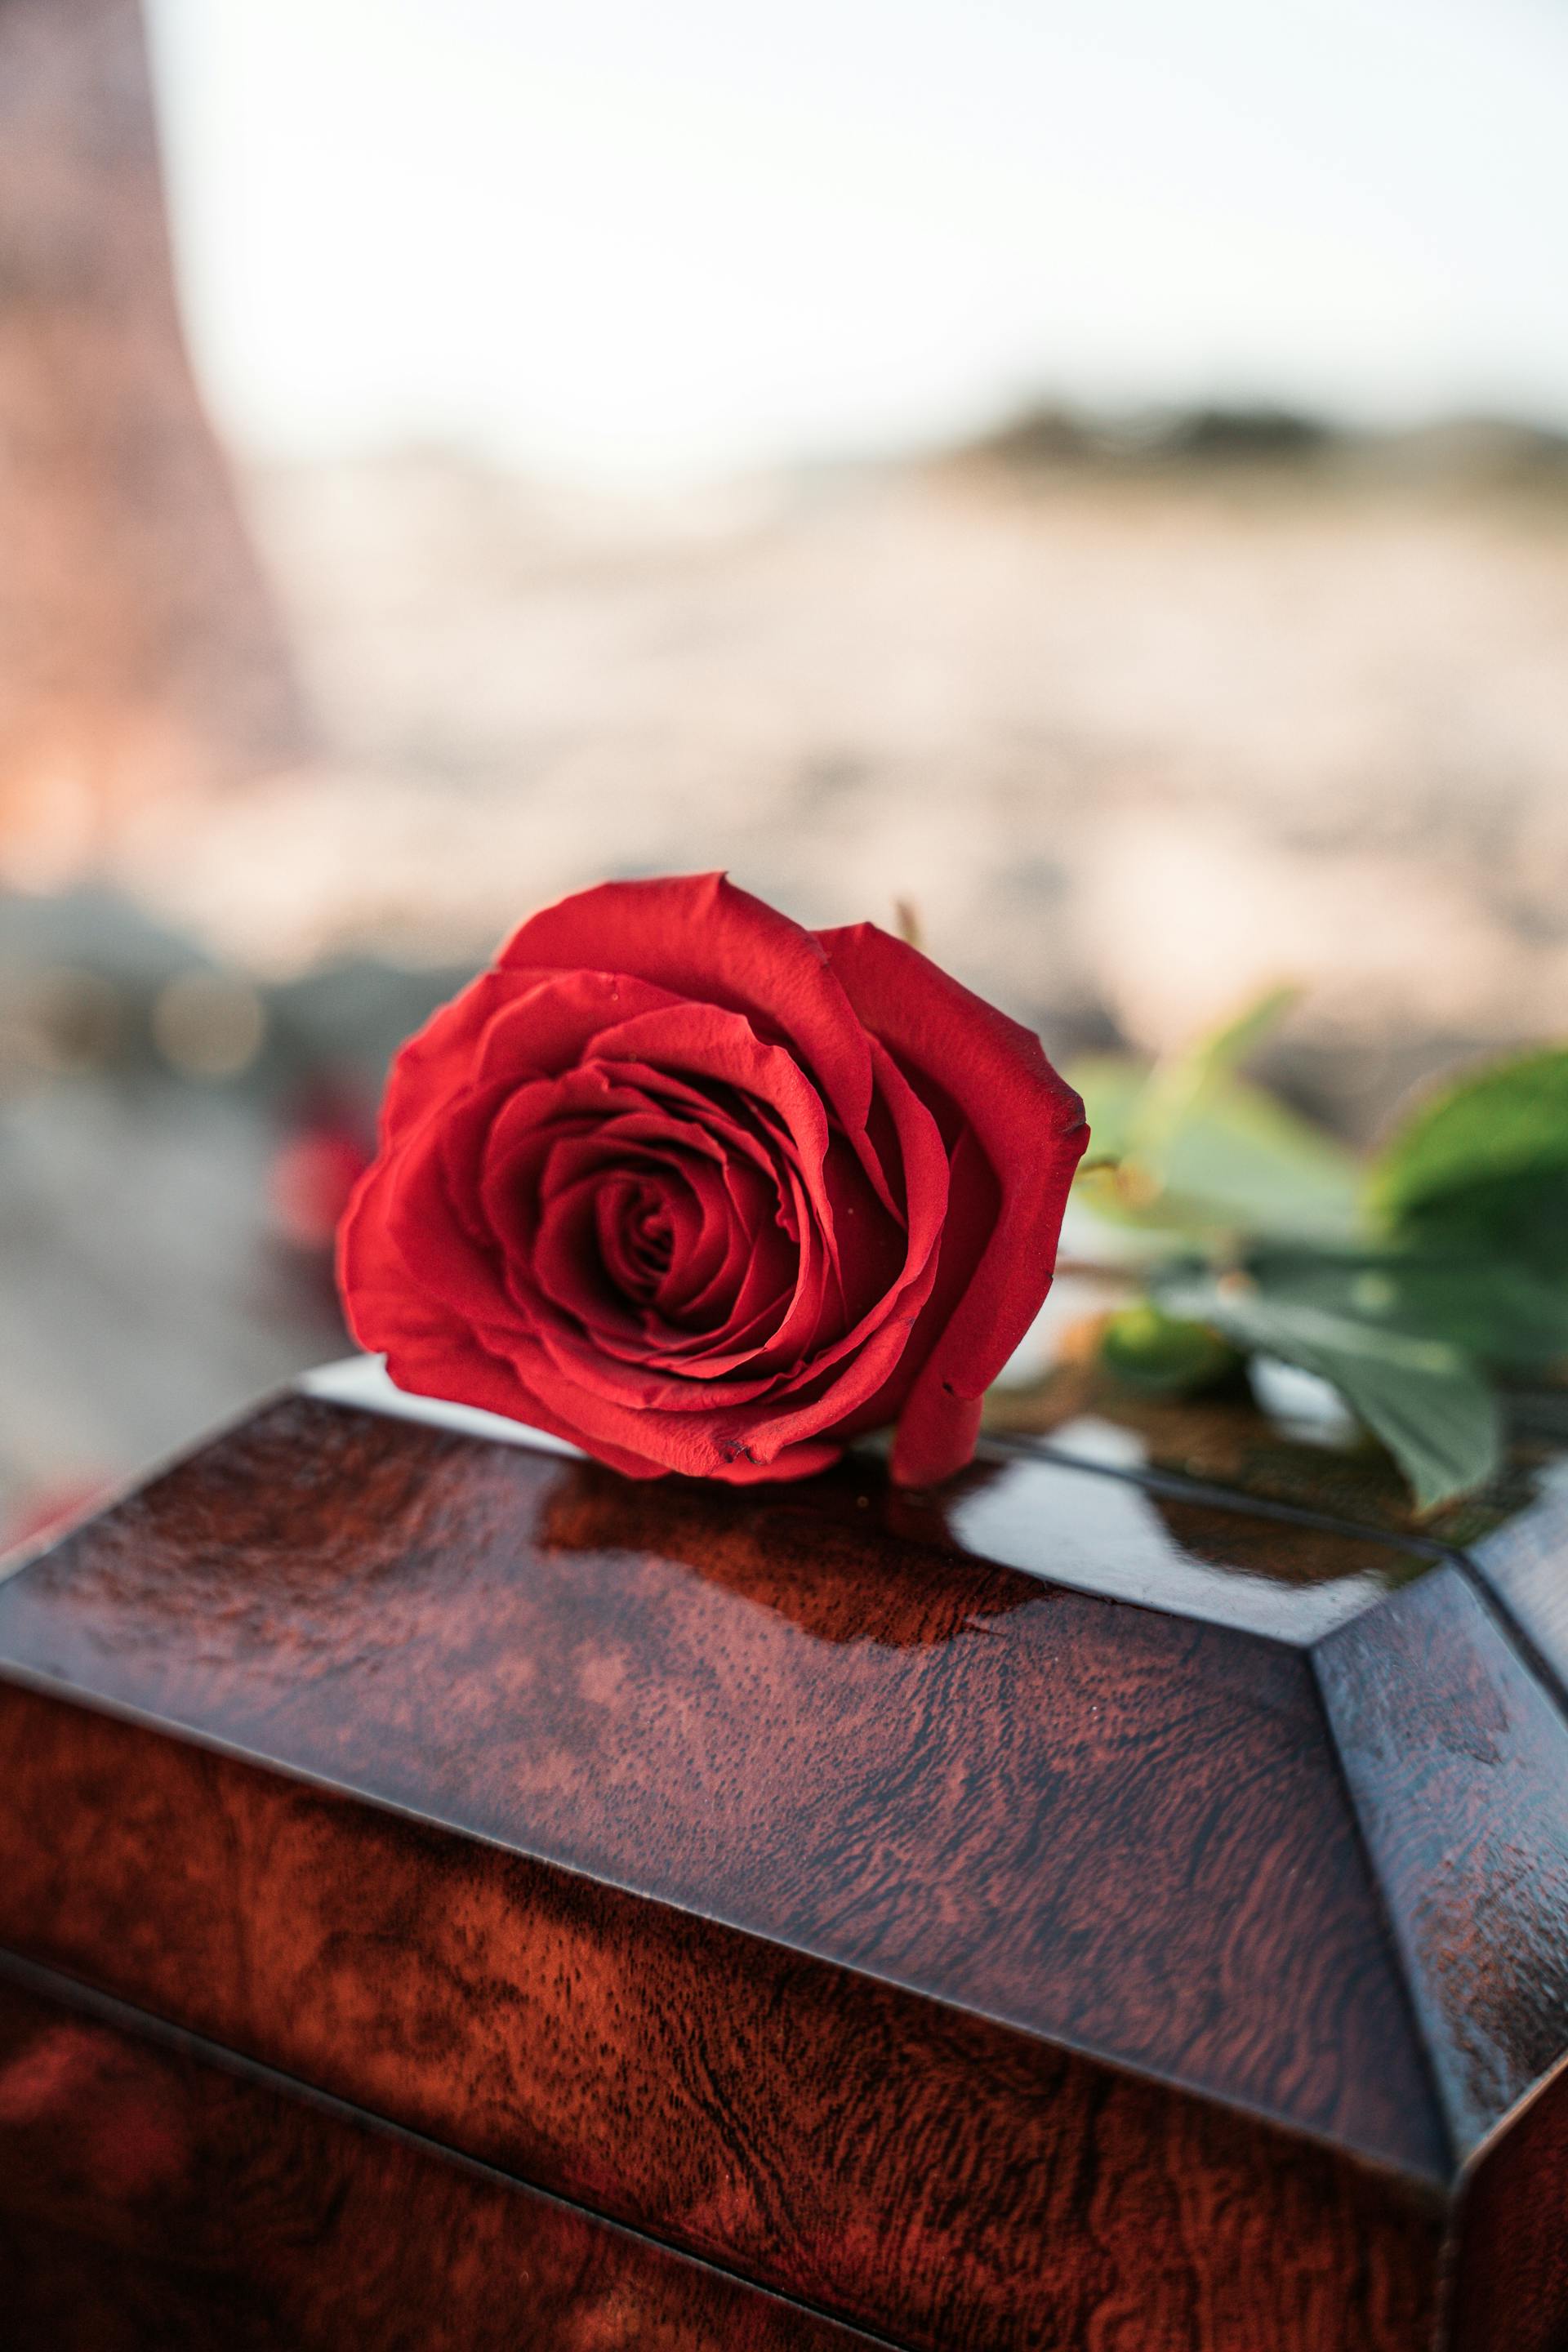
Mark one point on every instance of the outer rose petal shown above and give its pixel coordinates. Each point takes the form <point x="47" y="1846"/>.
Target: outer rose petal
<point x="697" y="936"/>
<point x="1031" y="1129"/>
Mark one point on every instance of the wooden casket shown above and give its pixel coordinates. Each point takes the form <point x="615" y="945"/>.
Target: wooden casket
<point x="452" y="1895"/>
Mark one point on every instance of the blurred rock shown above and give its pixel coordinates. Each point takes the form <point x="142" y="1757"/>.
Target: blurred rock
<point x="140" y="652"/>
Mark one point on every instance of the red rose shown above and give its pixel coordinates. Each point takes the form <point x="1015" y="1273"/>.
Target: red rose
<point x="704" y="1192"/>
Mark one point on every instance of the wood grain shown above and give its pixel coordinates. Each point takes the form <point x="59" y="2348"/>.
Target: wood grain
<point x="157" y="2196"/>
<point x="972" y="1956"/>
<point x="1512" y="2287"/>
<point x="850" y="1738"/>
<point x="1525" y="1566"/>
<point x="1458" y="1760"/>
<point x="905" y="2165"/>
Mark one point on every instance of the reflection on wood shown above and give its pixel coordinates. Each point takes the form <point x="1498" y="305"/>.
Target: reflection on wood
<point x="1224" y="1440"/>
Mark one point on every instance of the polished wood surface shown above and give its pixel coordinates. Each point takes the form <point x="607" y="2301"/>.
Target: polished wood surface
<point x="1458" y="1760"/>
<point x="1511" y="2291"/>
<point x="1524" y="1565"/>
<point x="1319" y="1461"/>
<point x="158" y="2195"/>
<point x="844" y="2141"/>
<point x="836" y="1884"/>
<point x="921" y="1765"/>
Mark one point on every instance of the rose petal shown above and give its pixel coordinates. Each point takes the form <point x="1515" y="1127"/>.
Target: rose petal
<point x="1030" y="1128"/>
<point x="709" y="943"/>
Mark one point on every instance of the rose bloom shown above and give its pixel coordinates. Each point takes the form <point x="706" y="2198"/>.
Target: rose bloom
<point x="704" y="1192"/>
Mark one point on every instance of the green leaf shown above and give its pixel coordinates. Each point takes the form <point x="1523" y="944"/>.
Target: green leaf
<point x="1509" y="1119"/>
<point x="1499" y="1312"/>
<point x="1177" y="1085"/>
<point x="1235" y="1039"/>
<point x="1235" y="1161"/>
<point x="1205" y="1154"/>
<point x="1161" y="1355"/>
<point x="1111" y="1086"/>
<point x="1241" y="1161"/>
<point x="1426" y="1398"/>
<point x="1481" y="1171"/>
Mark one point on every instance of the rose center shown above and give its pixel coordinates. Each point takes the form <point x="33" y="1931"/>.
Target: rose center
<point x="637" y="1237"/>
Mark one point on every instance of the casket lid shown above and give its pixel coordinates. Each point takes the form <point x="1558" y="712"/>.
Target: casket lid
<point x="1268" y="1812"/>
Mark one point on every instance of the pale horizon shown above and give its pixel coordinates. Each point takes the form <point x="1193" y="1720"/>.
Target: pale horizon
<point x="625" y="247"/>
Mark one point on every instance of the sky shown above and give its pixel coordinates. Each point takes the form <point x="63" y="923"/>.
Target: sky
<point x="624" y="244"/>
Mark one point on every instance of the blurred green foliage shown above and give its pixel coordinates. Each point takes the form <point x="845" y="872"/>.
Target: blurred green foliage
<point x="1420" y="1283"/>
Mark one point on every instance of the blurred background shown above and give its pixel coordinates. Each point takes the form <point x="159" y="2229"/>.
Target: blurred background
<point x="1097" y="473"/>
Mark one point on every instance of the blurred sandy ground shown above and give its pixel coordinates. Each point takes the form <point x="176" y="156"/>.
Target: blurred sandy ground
<point x="1132" y="743"/>
<point x="1134" y="739"/>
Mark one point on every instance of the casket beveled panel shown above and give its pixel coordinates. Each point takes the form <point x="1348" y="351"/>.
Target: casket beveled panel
<point x="778" y="1712"/>
<point x="1524" y="1563"/>
<point x="1457" y="1758"/>
<point x="901" y="2163"/>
